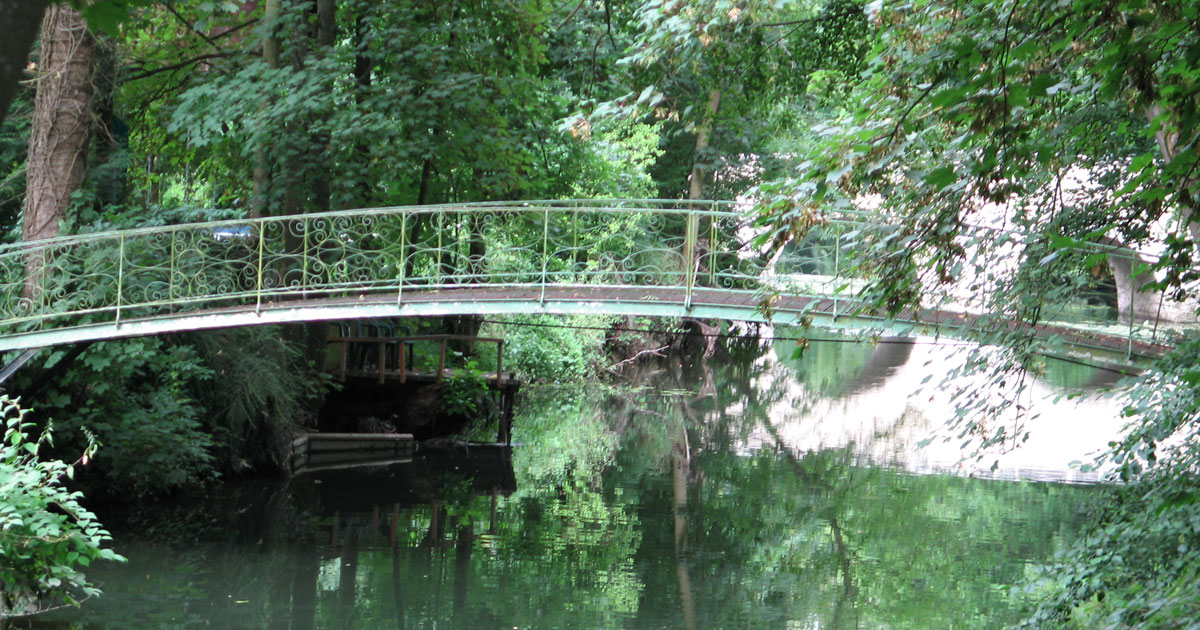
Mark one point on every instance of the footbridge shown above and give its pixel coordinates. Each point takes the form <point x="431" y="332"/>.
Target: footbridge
<point x="651" y="258"/>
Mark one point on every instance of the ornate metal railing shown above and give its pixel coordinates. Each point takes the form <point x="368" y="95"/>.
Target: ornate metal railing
<point x="255" y="264"/>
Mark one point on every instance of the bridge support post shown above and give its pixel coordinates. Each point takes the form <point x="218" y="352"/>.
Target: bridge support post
<point x="382" y="361"/>
<point x="837" y="271"/>
<point x="40" y="294"/>
<point x="171" y="271"/>
<point x="689" y="256"/>
<point x="401" y="360"/>
<point x="400" y="273"/>
<point x="441" y="360"/>
<point x="304" y="262"/>
<point x="262" y="231"/>
<point x="712" y="248"/>
<point x="120" y="276"/>
<point x="342" y="360"/>
<point x="1129" y="350"/>
<point x="545" y="252"/>
<point x="441" y="224"/>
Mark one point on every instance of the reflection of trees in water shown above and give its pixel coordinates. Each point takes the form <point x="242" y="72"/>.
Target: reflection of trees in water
<point x="632" y="508"/>
<point x="843" y="366"/>
<point x="699" y="447"/>
<point x="812" y="535"/>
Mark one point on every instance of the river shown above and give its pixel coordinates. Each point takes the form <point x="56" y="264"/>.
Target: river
<point x="751" y="489"/>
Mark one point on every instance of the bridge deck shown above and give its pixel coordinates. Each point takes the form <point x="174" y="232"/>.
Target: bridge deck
<point x="576" y="299"/>
<point x="665" y="258"/>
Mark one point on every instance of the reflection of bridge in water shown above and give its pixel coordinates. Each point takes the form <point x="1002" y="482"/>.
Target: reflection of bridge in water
<point x="651" y="258"/>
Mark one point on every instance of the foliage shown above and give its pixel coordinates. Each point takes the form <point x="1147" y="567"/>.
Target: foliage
<point x="464" y="391"/>
<point x="177" y="411"/>
<point x="621" y="161"/>
<point x="46" y="536"/>
<point x="753" y="60"/>
<point x="259" y="389"/>
<point x="14" y="141"/>
<point x="1138" y="566"/>
<point x="419" y="104"/>
<point x="1074" y="119"/>
<point x="1010" y="113"/>
<point x="134" y="395"/>
<point x="551" y="349"/>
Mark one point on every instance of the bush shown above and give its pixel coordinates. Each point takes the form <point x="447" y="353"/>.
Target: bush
<point x="549" y="348"/>
<point x="134" y="395"/>
<point x="46" y="536"/>
<point x="464" y="391"/>
<point x="1138" y="563"/>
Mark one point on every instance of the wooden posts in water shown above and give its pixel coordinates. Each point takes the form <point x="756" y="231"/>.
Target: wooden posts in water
<point x="383" y="363"/>
<point x="352" y="364"/>
<point x="401" y="364"/>
<point x="442" y="359"/>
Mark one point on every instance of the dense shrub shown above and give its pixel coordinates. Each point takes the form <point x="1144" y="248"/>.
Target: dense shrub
<point x="46" y="536"/>
<point x="550" y="348"/>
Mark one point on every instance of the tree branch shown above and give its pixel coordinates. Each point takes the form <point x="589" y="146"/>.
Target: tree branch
<point x="235" y="29"/>
<point x="189" y="25"/>
<point x="829" y="17"/>
<point x="658" y="352"/>
<point x="176" y="66"/>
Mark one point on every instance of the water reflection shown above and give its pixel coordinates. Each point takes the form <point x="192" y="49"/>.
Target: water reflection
<point x="737" y="491"/>
<point x="881" y="400"/>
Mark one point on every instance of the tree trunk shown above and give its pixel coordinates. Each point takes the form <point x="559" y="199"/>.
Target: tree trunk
<point x="695" y="254"/>
<point x="262" y="171"/>
<point x="696" y="189"/>
<point x="463" y="546"/>
<point x="320" y="177"/>
<point x="326" y="23"/>
<point x="62" y="119"/>
<point x="19" y="21"/>
<point x="680" y="471"/>
<point x="362" y="84"/>
<point x="305" y="589"/>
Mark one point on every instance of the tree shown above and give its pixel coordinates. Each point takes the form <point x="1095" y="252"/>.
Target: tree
<point x="725" y="78"/>
<point x="62" y="124"/>
<point x="1076" y="121"/>
<point x="19" y="21"/>
<point x="992" y="107"/>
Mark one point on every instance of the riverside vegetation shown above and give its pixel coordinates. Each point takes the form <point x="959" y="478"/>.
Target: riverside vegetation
<point x="945" y="112"/>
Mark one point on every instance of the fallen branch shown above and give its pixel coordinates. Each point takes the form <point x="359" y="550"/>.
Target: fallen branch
<point x="658" y="352"/>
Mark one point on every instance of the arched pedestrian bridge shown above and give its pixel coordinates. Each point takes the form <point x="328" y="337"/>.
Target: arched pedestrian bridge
<point x="652" y="258"/>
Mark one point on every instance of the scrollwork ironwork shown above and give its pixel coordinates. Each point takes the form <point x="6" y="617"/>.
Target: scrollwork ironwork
<point x="243" y="264"/>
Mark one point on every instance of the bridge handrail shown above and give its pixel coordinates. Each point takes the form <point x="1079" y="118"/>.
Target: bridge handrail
<point x="706" y="207"/>
<point x="245" y="263"/>
<point x="844" y="216"/>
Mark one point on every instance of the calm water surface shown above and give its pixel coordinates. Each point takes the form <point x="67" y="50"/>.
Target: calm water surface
<point x="747" y="490"/>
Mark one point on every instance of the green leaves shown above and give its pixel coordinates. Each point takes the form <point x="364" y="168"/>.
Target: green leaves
<point x="45" y="534"/>
<point x="941" y="177"/>
<point x="107" y="15"/>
